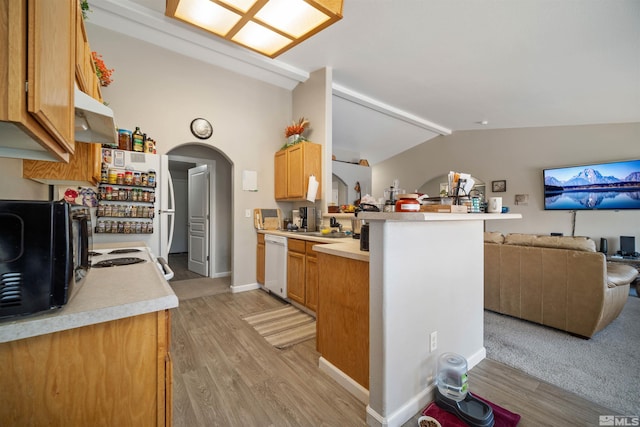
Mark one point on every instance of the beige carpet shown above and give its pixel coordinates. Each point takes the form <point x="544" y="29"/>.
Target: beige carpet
<point x="195" y="288"/>
<point x="284" y="326"/>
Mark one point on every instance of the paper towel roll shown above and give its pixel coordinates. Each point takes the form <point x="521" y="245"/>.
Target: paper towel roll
<point x="312" y="189"/>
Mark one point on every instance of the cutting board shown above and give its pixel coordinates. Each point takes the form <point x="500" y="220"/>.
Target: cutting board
<point x="267" y="219"/>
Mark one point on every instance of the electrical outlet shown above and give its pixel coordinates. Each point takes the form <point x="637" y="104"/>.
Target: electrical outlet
<point x="433" y="341"/>
<point x="247" y="213"/>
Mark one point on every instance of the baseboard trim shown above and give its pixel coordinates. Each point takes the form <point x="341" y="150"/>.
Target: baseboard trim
<point x="402" y="415"/>
<point x="361" y="393"/>
<point x="244" y="288"/>
<point x="476" y="358"/>
<point x="222" y="274"/>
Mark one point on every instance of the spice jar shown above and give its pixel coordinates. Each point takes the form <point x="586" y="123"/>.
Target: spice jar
<point x="128" y="177"/>
<point x="124" y="140"/>
<point x="151" y="178"/>
<point x="113" y="176"/>
<point x="407" y="203"/>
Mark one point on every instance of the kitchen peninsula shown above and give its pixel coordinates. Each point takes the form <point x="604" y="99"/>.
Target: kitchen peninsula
<point x="426" y="279"/>
<point x="102" y="359"/>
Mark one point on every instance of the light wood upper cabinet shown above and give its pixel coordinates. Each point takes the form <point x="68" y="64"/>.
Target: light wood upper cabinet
<point x="37" y="63"/>
<point x="86" y="76"/>
<point x="293" y="167"/>
<point x="83" y="168"/>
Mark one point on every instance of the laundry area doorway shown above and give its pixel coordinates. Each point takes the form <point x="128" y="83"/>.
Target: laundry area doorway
<point x="201" y="244"/>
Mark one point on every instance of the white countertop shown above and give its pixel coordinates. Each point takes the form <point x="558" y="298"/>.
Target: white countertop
<point x="347" y="247"/>
<point x="107" y="294"/>
<point x="434" y="216"/>
<point x="346" y="250"/>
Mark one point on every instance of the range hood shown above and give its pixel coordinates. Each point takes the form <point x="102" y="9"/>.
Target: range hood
<point x="94" y="121"/>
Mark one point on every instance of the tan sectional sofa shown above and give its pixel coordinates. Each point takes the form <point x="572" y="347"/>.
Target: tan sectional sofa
<point x="557" y="281"/>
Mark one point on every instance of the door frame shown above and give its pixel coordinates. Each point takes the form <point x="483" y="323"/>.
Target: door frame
<point x="211" y="164"/>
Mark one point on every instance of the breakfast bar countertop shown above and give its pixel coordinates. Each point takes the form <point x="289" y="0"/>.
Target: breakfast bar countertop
<point x="106" y="294"/>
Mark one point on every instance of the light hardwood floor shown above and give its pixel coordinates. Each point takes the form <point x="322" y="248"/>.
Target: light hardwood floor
<point x="225" y="374"/>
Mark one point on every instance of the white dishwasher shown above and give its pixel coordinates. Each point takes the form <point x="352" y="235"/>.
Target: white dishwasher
<point x="275" y="269"/>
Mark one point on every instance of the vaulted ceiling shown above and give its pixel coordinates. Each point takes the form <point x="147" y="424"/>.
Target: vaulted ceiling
<point x="405" y="71"/>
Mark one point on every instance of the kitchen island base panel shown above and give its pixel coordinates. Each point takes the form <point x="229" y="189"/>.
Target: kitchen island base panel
<point x="343" y="315"/>
<point x="110" y="373"/>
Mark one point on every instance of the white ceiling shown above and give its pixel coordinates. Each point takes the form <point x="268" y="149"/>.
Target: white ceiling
<point x="406" y="70"/>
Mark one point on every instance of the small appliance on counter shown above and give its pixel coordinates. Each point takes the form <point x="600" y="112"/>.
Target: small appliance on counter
<point x="452" y="392"/>
<point x="44" y="254"/>
<point x="308" y="218"/>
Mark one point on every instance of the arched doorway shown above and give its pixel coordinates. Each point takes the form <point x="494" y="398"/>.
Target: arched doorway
<point x="218" y="207"/>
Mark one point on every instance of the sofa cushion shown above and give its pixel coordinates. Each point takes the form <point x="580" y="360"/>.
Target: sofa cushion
<point x="493" y="237"/>
<point x="619" y="274"/>
<point x="558" y="242"/>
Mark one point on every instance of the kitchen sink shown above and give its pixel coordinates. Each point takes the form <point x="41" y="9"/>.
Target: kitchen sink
<point x="333" y="235"/>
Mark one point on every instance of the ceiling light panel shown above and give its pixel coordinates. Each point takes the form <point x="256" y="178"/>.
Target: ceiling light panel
<point x="269" y="27"/>
<point x="293" y="17"/>
<point x="207" y="15"/>
<point x="241" y="5"/>
<point x="261" y="39"/>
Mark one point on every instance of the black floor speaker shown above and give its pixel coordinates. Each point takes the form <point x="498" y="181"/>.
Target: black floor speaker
<point x="604" y="246"/>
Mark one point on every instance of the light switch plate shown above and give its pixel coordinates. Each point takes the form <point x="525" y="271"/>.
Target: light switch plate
<point x="247" y="213"/>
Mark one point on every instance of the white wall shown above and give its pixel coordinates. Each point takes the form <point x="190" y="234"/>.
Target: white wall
<point x="519" y="156"/>
<point x="312" y="99"/>
<point x="162" y="91"/>
<point x="14" y="187"/>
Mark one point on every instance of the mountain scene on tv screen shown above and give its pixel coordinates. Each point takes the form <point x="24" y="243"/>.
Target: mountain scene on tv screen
<point x="607" y="186"/>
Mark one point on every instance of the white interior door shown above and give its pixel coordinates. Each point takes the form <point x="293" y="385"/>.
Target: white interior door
<point x="198" y="225"/>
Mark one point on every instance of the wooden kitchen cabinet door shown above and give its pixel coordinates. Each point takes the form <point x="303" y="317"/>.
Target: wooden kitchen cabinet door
<point x="51" y="67"/>
<point x="260" y="259"/>
<point x="296" y="270"/>
<point x="281" y="170"/>
<point x="296" y="184"/>
<point x="311" y="277"/>
<point x="36" y="72"/>
<point x="86" y="76"/>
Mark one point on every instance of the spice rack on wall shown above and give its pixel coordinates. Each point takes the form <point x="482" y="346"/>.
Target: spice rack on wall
<point x="133" y="217"/>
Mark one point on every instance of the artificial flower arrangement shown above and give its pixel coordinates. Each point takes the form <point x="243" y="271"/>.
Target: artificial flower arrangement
<point x="295" y="131"/>
<point x="104" y="73"/>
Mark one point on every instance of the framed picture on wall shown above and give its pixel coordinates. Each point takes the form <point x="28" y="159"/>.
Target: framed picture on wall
<point x="499" y="186"/>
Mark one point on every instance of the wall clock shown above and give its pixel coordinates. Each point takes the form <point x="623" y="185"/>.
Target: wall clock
<point x="201" y="128"/>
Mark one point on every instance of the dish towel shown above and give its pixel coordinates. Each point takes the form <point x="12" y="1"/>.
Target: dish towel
<point x="502" y="417"/>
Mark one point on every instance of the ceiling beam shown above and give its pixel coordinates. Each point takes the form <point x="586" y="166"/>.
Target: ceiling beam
<point x="365" y="101"/>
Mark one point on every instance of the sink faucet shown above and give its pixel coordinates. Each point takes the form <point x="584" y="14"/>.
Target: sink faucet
<point x="334" y="223"/>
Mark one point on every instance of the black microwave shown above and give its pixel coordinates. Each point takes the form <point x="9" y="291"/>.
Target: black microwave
<point x="44" y="252"/>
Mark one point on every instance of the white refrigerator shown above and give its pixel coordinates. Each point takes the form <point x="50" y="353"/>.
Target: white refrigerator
<point x="138" y="202"/>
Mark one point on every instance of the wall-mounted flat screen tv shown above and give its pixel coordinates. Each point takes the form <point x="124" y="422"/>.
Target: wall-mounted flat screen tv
<point x="614" y="185"/>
